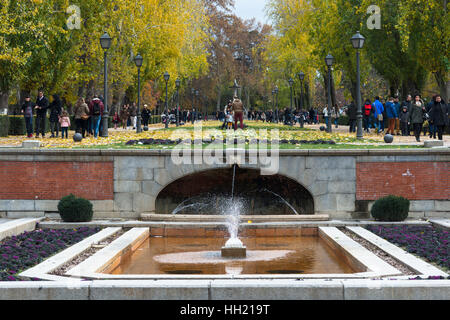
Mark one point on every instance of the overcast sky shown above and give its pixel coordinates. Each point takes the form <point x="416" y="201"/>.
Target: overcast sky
<point x="248" y="9"/>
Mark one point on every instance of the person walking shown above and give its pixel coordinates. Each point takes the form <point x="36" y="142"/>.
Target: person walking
<point x="82" y="114"/>
<point x="416" y="114"/>
<point x="378" y="109"/>
<point x="404" y="118"/>
<point x="64" y="121"/>
<point x="27" y="110"/>
<point x="367" y="114"/>
<point x="407" y="104"/>
<point x="391" y="114"/>
<point x="431" y="126"/>
<point x="325" y="115"/>
<point x="41" y="113"/>
<point x="238" y="109"/>
<point x="439" y="114"/>
<point x="96" y="110"/>
<point x="351" y="113"/>
<point x="133" y="115"/>
<point x="146" y="115"/>
<point x="123" y="115"/>
<point x="397" y="120"/>
<point x="55" y="112"/>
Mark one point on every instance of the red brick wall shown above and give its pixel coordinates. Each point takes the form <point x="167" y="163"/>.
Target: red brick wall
<point x="53" y="180"/>
<point x="412" y="180"/>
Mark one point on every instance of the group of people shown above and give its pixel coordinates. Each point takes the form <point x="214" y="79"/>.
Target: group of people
<point x="402" y="118"/>
<point x="233" y="112"/>
<point x="59" y="118"/>
<point x="127" y="116"/>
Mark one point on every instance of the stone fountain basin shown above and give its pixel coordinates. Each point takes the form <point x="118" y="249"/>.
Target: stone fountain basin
<point x="102" y="263"/>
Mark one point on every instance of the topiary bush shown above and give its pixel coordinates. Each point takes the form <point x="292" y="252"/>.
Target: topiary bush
<point x="73" y="209"/>
<point x="390" y="208"/>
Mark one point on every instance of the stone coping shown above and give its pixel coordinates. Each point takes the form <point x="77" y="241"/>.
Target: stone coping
<point x="42" y="270"/>
<point x="311" y="152"/>
<point x="200" y="224"/>
<point x="414" y="263"/>
<point x="251" y="289"/>
<point x="17" y="226"/>
<point x="223" y="218"/>
<point x="98" y="265"/>
<point x="357" y="255"/>
<point x="109" y="257"/>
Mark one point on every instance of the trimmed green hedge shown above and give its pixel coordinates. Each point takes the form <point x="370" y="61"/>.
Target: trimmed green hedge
<point x="390" y="208"/>
<point x="73" y="209"/>
<point x="4" y="126"/>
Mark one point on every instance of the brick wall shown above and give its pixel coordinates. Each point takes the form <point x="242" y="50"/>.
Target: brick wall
<point x="412" y="180"/>
<point x="53" y="180"/>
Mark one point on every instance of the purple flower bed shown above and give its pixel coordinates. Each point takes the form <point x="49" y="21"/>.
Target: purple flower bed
<point x="28" y="249"/>
<point x="426" y="241"/>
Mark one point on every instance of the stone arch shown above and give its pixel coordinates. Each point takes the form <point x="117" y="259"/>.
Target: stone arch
<point x="209" y="186"/>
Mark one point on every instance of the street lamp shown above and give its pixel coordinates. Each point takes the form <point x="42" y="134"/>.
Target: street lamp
<point x="105" y="42"/>
<point x="177" y="84"/>
<point x="358" y="42"/>
<point x="329" y="62"/>
<point x="166" y="78"/>
<point x="138" y="60"/>
<point x="276" y="103"/>
<point x="301" y="76"/>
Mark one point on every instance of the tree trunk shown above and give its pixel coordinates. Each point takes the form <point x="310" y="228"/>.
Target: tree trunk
<point x="4" y="97"/>
<point x="219" y="96"/>
<point x="444" y="86"/>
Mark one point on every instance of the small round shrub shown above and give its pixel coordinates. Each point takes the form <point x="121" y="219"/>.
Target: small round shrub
<point x="390" y="208"/>
<point x="73" y="209"/>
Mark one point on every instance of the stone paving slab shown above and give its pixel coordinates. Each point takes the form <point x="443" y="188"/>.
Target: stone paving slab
<point x="418" y="265"/>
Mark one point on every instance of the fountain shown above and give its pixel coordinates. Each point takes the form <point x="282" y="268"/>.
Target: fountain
<point x="234" y="248"/>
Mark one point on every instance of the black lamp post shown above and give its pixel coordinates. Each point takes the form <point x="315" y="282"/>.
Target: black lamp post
<point x="301" y="76"/>
<point x="138" y="60"/>
<point x="105" y="42"/>
<point x="276" y="104"/>
<point x="358" y="42"/>
<point x="329" y="62"/>
<point x="166" y="78"/>
<point x="177" y="84"/>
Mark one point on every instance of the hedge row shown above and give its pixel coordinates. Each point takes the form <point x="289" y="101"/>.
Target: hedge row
<point x="15" y="125"/>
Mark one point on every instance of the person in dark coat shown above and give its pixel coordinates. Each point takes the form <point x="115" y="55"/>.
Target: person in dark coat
<point x="146" y="115"/>
<point x="439" y="115"/>
<point x="27" y="110"/>
<point x="416" y="113"/>
<point x="55" y="112"/>
<point x="41" y="113"/>
<point x="351" y="113"/>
